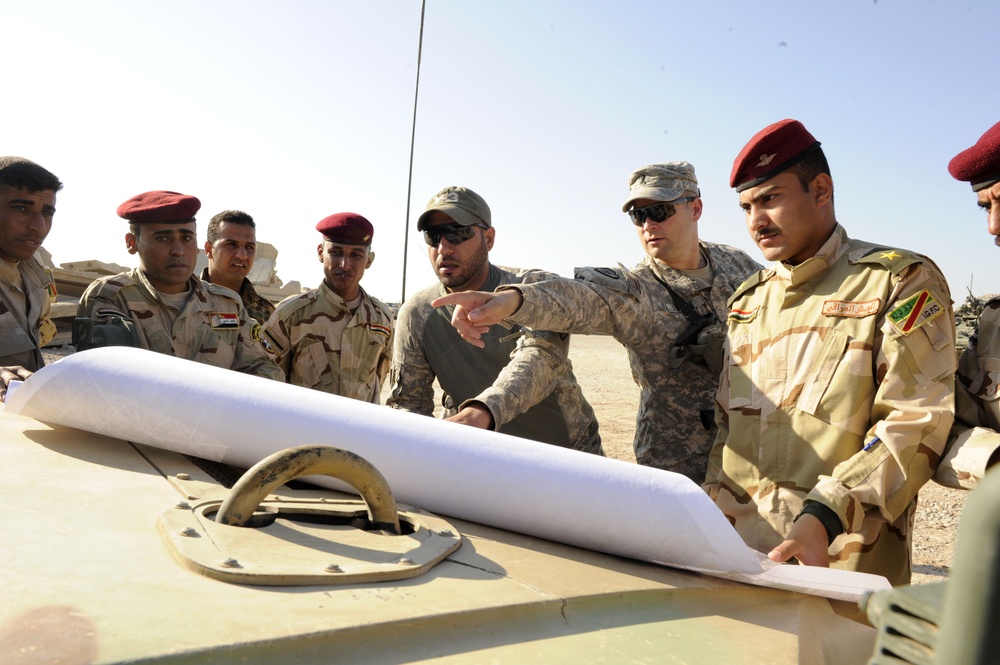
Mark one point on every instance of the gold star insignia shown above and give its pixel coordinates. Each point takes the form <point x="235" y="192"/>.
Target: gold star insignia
<point x="890" y="255"/>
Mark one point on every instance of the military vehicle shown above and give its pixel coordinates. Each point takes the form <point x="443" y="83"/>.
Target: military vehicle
<point x="112" y="554"/>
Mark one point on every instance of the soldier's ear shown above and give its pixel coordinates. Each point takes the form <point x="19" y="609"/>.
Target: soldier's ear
<point x="371" y="258"/>
<point x="130" y="243"/>
<point x="208" y="249"/>
<point x="490" y="235"/>
<point x="319" y="252"/>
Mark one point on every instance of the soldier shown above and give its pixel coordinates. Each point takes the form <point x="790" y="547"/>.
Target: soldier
<point x="837" y="389"/>
<point x="974" y="444"/>
<point x="337" y="338"/>
<point x="523" y="383"/>
<point x="161" y="304"/>
<point x="667" y="312"/>
<point x="231" y="248"/>
<point x="27" y="205"/>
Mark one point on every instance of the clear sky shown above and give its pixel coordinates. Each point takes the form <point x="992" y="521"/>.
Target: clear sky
<point x="297" y="109"/>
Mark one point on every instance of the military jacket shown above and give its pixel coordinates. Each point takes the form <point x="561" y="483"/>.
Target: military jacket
<point x="838" y="387"/>
<point x="257" y="307"/>
<point x="674" y="426"/>
<point x="976" y="432"/>
<point x="213" y="328"/>
<point x="524" y="378"/>
<point x="26" y="294"/>
<point x="298" y="338"/>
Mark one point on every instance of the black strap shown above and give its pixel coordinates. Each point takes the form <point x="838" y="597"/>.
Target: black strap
<point x="697" y="320"/>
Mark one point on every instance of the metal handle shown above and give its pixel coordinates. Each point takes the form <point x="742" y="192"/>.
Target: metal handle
<point x="309" y="460"/>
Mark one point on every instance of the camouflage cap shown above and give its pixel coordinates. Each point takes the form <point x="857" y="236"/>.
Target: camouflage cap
<point x="661" y="182"/>
<point x="461" y="204"/>
<point x="980" y="164"/>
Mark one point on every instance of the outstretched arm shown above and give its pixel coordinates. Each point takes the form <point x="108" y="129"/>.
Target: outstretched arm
<point x="476" y="311"/>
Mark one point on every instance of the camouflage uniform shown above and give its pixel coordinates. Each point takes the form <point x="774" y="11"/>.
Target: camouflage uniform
<point x="257" y="307"/>
<point x="297" y="337"/>
<point x="26" y="294"/>
<point x="838" y="388"/>
<point x="527" y="385"/>
<point x="213" y="327"/>
<point x="976" y="432"/>
<point x="674" y="424"/>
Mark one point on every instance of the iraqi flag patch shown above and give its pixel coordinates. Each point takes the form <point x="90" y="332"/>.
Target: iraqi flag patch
<point x="915" y="311"/>
<point x="225" y="320"/>
<point x="743" y="315"/>
<point x="380" y="329"/>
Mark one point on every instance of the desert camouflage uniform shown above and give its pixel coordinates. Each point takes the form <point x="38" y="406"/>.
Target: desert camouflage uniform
<point x="674" y="426"/>
<point x="525" y="380"/>
<point x="838" y="388"/>
<point x="976" y="432"/>
<point x="257" y="307"/>
<point x="296" y="337"/>
<point x="26" y="294"/>
<point x="213" y="328"/>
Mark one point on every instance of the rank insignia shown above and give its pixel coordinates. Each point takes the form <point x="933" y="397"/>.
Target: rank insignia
<point x="915" y="311"/>
<point x="743" y="315"/>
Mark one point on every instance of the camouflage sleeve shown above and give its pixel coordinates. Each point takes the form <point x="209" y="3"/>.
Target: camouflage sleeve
<point x="250" y="357"/>
<point x="410" y="374"/>
<point x="974" y="438"/>
<point x="46" y="326"/>
<point x="536" y="365"/>
<point x="102" y="300"/>
<point x="385" y="359"/>
<point x="275" y="341"/>
<point x="912" y="410"/>
<point x="588" y="305"/>
<point x="711" y="484"/>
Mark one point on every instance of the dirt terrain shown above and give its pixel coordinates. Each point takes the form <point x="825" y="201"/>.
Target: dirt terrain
<point x="601" y="367"/>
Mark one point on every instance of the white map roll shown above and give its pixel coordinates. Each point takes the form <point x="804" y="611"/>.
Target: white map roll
<point x="503" y="481"/>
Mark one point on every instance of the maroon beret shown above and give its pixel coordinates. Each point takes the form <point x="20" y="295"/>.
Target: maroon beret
<point x="348" y="228"/>
<point x="771" y="151"/>
<point x="159" y="206"/>
<point x="980" y="164"/>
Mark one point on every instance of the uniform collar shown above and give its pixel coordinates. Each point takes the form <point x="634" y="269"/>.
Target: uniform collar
<point x="835" y="247"/>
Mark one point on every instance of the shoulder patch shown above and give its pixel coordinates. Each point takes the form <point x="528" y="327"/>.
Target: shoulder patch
<point x="255" y="331"/>
<point x="379" y="329"/>
<point x="750" y="282"/>
<point x="619" y="279"/>
<point x="915" y="311"/>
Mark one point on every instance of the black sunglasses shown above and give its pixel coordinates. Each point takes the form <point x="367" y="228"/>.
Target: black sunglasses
<point x="657" y="212"/>
<point x="455" y="234"/>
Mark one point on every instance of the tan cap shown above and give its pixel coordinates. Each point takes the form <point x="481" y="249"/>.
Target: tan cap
<point x="661" y="182"/>
<point x="461" y="204"/>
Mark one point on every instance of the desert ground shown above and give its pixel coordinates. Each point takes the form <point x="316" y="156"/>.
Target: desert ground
<point x="601" y="366"/>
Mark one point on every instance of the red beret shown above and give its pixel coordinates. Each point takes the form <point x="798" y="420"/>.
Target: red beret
<point x="159" y="206"/>
<point x="348" y="228"/>
<point x="771" y="151"/>
<point x="980" y="164"/>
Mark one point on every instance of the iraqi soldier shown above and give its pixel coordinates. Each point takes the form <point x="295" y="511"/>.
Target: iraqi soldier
<point x="27" y="206"/>
<point x="231" y="248"/>
<point x="336" y="338"/>
<point x="667" y="312"/>
<point x="974" y="444"/>
<point x="161" y="305"/>
<point x="522" y="384"/>
<point x="837" y="389"/>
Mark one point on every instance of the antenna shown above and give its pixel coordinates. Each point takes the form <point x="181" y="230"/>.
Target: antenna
<point x="413" y="134"/>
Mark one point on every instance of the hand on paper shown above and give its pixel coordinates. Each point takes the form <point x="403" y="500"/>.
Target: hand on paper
<point x="8" y="374"/>
<point x="806" y="541"/>
<point x="475" y="415"/>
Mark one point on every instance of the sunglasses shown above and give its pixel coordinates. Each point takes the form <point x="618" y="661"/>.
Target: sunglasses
<point x="657" y="212"/>
<point x="455" y="234"/>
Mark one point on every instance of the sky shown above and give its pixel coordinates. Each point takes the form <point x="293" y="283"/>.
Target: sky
<point x="295" y="110"/>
